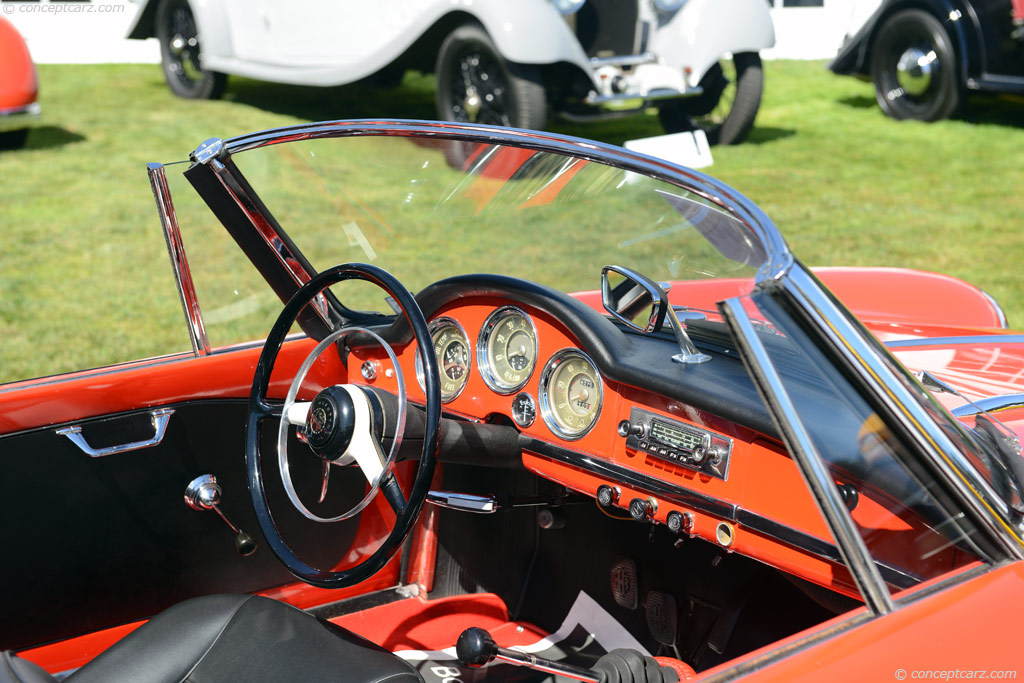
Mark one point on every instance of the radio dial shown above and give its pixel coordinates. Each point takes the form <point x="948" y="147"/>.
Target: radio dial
<point x="627" y="429"/>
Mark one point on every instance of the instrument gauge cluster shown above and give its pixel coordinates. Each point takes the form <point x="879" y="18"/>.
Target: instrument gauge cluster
<point x="569" y="392"/>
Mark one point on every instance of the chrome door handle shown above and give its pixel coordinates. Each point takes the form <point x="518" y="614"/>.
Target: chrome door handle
<point x="160" y="418"/>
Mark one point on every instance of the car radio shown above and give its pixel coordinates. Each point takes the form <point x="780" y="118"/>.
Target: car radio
<point x="677" y="442"/>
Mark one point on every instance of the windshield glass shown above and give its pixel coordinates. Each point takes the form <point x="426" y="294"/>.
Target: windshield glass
<point x="426" y="209"/>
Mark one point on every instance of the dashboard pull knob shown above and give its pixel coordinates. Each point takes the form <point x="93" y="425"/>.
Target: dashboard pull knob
<point x="607" y="496"/>
<point x="641" y="509"/>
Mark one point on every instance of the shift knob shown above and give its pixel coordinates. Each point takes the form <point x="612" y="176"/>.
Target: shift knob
<point x="475" y="647"/>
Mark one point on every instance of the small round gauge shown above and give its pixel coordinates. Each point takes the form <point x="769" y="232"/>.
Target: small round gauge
<point x="507" y="349"/>
<point x="451" y="347"/>
<point x="570" y="394"/>
<point x="524" y="410"/>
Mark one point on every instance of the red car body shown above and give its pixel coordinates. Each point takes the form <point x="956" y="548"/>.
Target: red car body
<point x="19" y="87"/>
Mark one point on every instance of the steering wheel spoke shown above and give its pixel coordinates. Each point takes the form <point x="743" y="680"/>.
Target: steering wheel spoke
<point x="343" y="424"/>
<point x="393" y="494"/>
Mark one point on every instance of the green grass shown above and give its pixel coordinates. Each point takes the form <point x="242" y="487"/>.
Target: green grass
<point x="846" y="185"/>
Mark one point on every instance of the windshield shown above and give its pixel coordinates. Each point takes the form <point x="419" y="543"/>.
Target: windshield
<point x="427" y="209"/>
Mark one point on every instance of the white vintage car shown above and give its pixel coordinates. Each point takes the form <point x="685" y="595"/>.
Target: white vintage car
<point x="498" y="62"/>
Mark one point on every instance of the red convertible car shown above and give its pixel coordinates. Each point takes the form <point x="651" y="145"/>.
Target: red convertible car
<point x="620" y="433"/>
<point x="19" y="88"/>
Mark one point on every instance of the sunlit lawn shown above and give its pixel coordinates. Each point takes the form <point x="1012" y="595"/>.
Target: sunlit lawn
<point x="78" y="284"/>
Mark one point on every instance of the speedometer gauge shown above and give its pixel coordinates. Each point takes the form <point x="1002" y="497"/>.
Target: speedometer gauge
<point x="451" y="347"/>
<point x="507" y="349"/>
<point x="571" y="392"/>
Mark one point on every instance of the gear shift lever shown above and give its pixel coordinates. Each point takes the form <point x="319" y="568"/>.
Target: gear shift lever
<point x="475" y="648"/>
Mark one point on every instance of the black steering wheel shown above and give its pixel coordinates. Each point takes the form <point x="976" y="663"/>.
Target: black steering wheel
<point x="338" y="426"/>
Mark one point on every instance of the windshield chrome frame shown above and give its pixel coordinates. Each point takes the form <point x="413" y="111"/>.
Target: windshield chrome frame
<point x="812" y="466"/>
<point x="179" y="261"/>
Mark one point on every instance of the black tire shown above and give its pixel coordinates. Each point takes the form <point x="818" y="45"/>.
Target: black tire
<point x="726" y="110"/>
<point x="476" y="85"/>
<point x="180" y="54"/>
<point x="905" y="87"/>
<point x="13" y="139"/>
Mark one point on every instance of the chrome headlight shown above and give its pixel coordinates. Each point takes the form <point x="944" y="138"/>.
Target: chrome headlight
<point x="667" y="5"/>
<point x="568" y="7"/>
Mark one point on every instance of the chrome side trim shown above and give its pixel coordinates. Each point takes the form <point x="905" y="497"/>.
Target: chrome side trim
<point x="862" y="355"/>
<point x="160" y="418"/>
<point x="779" y="258"/>
<point x="179" y="262"/>
<point x="595" y="99"/>
<point x="694" y="500"/>
<point x="989" y="405"/>
<point x="973" y="340"/>
<point x="815" y="473"/>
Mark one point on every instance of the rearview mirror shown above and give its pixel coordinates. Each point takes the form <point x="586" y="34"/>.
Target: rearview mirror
<point x="643" y="305"/>
<point x="632" y="299"/>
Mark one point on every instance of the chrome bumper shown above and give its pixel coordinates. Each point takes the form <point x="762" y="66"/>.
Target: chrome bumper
<point x="19" y="117"/>
<point x="623" y="79"/>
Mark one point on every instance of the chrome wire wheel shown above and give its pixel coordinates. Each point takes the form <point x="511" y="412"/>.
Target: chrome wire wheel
<point x="478" y="93"/>
<point x="181" y="53"/>
<point x="476" y="85"/>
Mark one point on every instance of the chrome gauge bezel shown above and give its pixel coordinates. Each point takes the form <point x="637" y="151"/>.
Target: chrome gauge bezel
<point x="544" y="393"/>
<point x="483" y="356"/>
<point x="433" y="327"/>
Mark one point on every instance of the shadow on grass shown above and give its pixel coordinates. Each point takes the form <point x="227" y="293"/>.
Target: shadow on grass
<point x="414" y="99"/>
<point x="356" y="101"/>
<point x="762" y="134"/>
<point x="49" y="137"/>
<point x="996" y="110"/>
<point x="858" y="102"/>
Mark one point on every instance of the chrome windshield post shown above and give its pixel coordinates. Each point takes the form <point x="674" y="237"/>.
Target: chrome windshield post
<point x="179" y="262"/>
<point x="812" y="467"/>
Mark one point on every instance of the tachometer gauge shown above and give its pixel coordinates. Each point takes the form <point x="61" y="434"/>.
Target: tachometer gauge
<point x="507" y="349"/>
<point x="570" y="394"/>
<point x="451" y="347"/>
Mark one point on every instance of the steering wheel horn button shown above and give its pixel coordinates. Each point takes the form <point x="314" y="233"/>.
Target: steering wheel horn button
<point x="330" y="423"/>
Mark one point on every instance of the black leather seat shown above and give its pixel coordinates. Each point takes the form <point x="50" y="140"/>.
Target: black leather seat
<point x="232" y="638"/>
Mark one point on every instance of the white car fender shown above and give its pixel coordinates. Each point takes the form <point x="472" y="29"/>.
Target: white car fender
<point x="703" y="30"/>
<point x="528" y="31"/>
<point x="213" y="27"/>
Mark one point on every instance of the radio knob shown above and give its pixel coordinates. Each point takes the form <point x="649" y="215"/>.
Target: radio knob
<point x="698" y="455"/>
<point x="628" y="429"/>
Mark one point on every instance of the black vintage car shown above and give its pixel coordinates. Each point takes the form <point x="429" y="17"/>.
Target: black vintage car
<point x="925" y="56"/>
